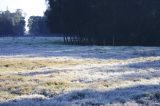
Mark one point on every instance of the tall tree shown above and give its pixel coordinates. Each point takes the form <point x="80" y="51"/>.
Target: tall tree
<point x="116" y="22"/>
<point x="12" y="24"/>
<point x="37" y="25"/>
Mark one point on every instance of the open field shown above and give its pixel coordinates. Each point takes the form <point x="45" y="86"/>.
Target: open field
<point x="44" y="72"/>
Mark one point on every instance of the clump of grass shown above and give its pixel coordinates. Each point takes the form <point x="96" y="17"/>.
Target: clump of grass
<point x="56" y="85"/>
<point x="46" y="92"/>
<point x="157" y="96"/>
<point x="12" y="78"/>
<point x="78" y="96"/>
<point x="15" y="84"/>
<point x="7" y="65"/>
<point x="16" y="64"/>
<point x="106" y="84"/>
<point x="22" y="90"/>
<point x="142" y="98"/>
<point x="19" y="89"/>
<point x="6" y="95"/>
<point x="143" y="53"/>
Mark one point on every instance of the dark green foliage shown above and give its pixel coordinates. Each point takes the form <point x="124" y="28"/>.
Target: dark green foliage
<point x="106" y="22"/>
<point x="37" y="25"/>
<point x="12" y="24"/>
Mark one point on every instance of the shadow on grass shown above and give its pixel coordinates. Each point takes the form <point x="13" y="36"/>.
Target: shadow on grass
<point x="45" y="72"/>
<point x="49" y="48"/>
<point x="129" y="96"/>
<point x="143" y="70"/>
<point x="142" y="65"/>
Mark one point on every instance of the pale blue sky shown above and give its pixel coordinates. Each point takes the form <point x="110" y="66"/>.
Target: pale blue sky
<point x="30" y="7"/>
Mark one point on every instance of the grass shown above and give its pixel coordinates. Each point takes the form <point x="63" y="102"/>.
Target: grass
<point x="13" y="84"/>
<point x="4" y="95"/>
<point x="18" y="85"/>
<point x="142" y="98"/>
<point x="24" y="64"/>
<point x="56" y="85"/>
<point x="17" y="64"/>
<point x="82" y="75"/>
<point x="78" y="96"/>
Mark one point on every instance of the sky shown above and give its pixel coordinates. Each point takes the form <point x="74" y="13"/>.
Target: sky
<point x="30" y="7"/>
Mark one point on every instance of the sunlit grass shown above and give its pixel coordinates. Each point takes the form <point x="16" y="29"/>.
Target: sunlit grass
<point x="53" y="76"/>
<point x="19" y="64"/>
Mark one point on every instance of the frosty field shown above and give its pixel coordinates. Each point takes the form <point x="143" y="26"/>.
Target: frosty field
<point x="42" y="71"/>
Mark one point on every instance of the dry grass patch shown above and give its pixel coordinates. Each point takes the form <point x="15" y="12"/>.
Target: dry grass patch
<point x="60" y="85"/>
<point x="14" y="78"/>
<point x="6" y="96"/>
<point x="19" y="64"/>
<point x="23" y="64"/>
<point x="16" y="84"/>
<point x="56" y="85"/>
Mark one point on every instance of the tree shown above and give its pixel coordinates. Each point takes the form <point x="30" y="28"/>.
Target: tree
<point x="12" y="24"/>
<point x="102" y="22"/>
<point x="37" y="25"/>
<point x="19" y="22"/>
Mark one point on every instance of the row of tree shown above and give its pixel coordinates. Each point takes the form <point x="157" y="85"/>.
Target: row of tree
<point x="38" y="25"/>
<point x="12" y="24"/>
<point x="106" y="22"/>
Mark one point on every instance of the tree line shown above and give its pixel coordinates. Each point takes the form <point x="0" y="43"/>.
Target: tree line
<point x="105" y="22"/>
<point x="12" y="23"/>
<point x="38" y="26"/>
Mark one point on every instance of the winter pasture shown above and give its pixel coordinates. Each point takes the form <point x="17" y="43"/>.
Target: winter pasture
<point x="42" y="71"/>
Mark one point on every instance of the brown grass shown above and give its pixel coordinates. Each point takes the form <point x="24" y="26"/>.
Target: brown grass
<point x="23" y="64"/>
<point x="16" y="64"/>
<point x="12" y="85"/>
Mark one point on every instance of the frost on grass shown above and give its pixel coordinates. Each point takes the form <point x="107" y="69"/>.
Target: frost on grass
<point x="44" y="72"/>
<point x="138" y="95"/>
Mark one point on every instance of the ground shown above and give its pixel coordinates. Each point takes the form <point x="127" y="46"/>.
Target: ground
<point x="42" y="71"/>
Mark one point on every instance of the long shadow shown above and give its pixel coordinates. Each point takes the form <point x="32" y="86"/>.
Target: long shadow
<point x="41" y="72"/>
<point x="148" y="64"/>
<point x="141" y="70"/>
<point x="141" y="95"/>
<point x="154" y="64"/>
<point x="38" y="73"/>
<point x="145" y="70"/>
<point x="44" y="49"/>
